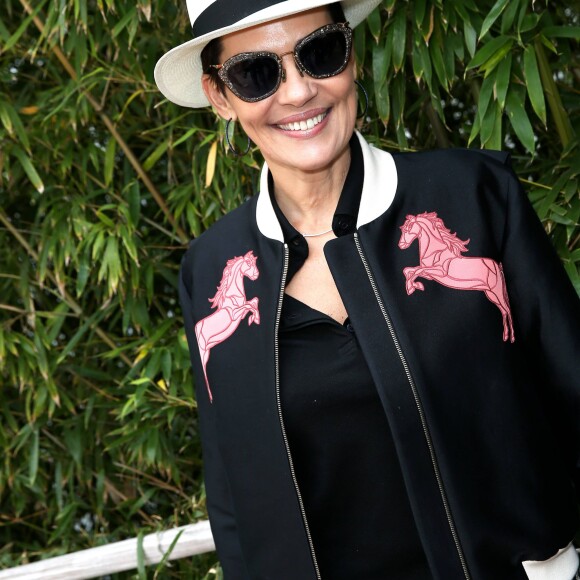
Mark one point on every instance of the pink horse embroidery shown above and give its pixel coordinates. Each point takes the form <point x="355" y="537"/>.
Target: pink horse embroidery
<point x="232" y="307"/>
<point x="441" y="260"/>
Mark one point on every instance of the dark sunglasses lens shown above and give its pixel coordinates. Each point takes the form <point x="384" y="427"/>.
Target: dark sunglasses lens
<point x="324" y="55"/>
<point x="254" y="77"/>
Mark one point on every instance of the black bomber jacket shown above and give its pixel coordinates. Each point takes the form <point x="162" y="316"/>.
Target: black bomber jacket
<point x="471" y="331"/>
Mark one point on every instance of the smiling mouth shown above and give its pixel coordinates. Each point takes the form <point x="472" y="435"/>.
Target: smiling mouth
<point x="304" y="125"/>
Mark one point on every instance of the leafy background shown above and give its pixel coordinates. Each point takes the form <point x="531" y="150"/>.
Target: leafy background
<point x="102" y="183"/>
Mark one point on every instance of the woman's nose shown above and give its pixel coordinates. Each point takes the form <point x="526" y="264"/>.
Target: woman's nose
<point x="296" y="88"/>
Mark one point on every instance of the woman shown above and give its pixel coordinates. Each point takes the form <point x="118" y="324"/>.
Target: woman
<point x="363" y="415"/>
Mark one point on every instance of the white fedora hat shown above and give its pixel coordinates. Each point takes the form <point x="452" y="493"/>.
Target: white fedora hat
<point x="178" y="72"/>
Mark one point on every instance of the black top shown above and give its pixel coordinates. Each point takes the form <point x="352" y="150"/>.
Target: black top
<point x="343" y="452"/>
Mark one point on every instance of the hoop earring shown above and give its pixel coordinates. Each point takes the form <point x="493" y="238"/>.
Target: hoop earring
<point x="360" y="86"/>
<point x="231" y="145"/>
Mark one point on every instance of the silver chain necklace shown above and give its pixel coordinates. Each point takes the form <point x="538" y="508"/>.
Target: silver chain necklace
<point x="315" y="235"/>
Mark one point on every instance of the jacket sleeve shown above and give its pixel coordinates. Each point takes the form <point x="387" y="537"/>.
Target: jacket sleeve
<point x="546" y="312"/>
<point x="219" y="501"/>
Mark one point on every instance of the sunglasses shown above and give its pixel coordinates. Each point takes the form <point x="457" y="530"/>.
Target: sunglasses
<point x="253" y="76"/>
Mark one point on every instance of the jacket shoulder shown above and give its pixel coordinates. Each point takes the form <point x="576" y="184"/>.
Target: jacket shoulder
<point x="226" y="236"/>
<point x="231" y="226"/>
<point x="450" y="161"/>
<point x="457" y="173"/>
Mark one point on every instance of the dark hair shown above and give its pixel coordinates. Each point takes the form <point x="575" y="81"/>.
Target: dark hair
<point x="212" y="52"/>
<point x="211" y="55"/>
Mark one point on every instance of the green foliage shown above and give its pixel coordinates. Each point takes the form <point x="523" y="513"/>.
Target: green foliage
<point x="496" y="75"/>
<point x="102" y="183"/>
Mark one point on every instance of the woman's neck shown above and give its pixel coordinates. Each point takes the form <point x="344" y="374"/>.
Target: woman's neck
<point x="309" y="199"/>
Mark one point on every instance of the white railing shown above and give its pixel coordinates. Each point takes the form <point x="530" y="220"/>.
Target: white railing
<point x="119" y="556"/>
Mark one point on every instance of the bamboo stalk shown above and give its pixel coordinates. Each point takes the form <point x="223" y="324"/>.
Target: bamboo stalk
<point x="561" y="119"/>
<point x="112" y="129"/>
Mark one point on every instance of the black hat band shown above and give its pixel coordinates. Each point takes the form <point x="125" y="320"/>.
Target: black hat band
<point x="224" y="13"/>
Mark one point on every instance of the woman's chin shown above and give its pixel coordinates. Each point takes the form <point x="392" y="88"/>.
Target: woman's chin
<point x="306" y="159"/>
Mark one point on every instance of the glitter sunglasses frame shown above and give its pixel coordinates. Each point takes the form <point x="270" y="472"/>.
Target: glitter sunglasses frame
<point x="224" y="68"/>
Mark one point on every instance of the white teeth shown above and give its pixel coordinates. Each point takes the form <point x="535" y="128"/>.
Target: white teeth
<point x="304" y="125"/>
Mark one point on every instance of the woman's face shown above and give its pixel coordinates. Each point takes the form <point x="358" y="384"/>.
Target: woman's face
<point x="269" y="123"/>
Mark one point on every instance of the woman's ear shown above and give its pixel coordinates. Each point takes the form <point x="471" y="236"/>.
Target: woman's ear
<point x="217" y="99"/>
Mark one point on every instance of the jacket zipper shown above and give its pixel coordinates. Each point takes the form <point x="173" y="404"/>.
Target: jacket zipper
<point x="419" y="408"/>
<point x="280" y="416"/>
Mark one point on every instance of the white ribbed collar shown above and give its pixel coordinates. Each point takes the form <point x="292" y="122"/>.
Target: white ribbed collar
<point x="379" y="188"/>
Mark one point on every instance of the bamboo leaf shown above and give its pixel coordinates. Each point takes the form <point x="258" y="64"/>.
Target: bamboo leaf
<point x="422" y="63"/>
<point x="509" y="15"/>
<point x="211" y="164"/>
<point x="79" y="334"/>
<point x="64" y="521"/>
<point x="360" y="44"/>
<point x="22" y="28"/>
<point x="475" y="130"/>
<point x="29" y="168"/>
<point x="4" y="33"/>
<point x="383" y="102"/>
<point x="419" y="13"/>
<point x="55" y="325"/>
<point x="381" y="63"/>
<point x="152" y="447"/>
<point x="167" y="554"/>
<point x="399" y="38"/>
<point x="496" y="59"/>
<point x="156" y="155"/>
<point x="74" y="440"/>
<point x="572" y="32"/>
<point x="438" y="64"/>
<point x="559" y="113"/>
<point x="488" y="125"/>
<point x="58" y="487"/>
<point x="470" y="36"/>
<point x="488" y="51"/>
<point x="534" y="83"/>
<point x="111" y="265"/>
<point x="374" y="23"/>
<point x="187" y="135"/>
<point x="529" y="22"/>
<point x="146" y="497"/>
<point x="166" y="364"/>
<point x="496" y="138"/>
<point x="548" y="44"/>
<point x="110" y="160"/>
<point x="125" y="21"/>
<point x="519" y="119"/>
<point x="427" y="31"/>
<point x="40" y="352"/>
<point x="33" y="457"/>
<point x="398" y="105"/>
<point x="492" y="16"/>
<point x="485" y="96"/>
<point x="502" y="81"/>
<point x="5" y="118"/>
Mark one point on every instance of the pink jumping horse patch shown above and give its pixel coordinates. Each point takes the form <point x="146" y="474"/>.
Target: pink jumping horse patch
<point x="232" y="307"/>
<point x="440" y="259"/>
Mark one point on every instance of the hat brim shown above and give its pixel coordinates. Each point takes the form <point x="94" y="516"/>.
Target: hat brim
<point x="178" y="72"/>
